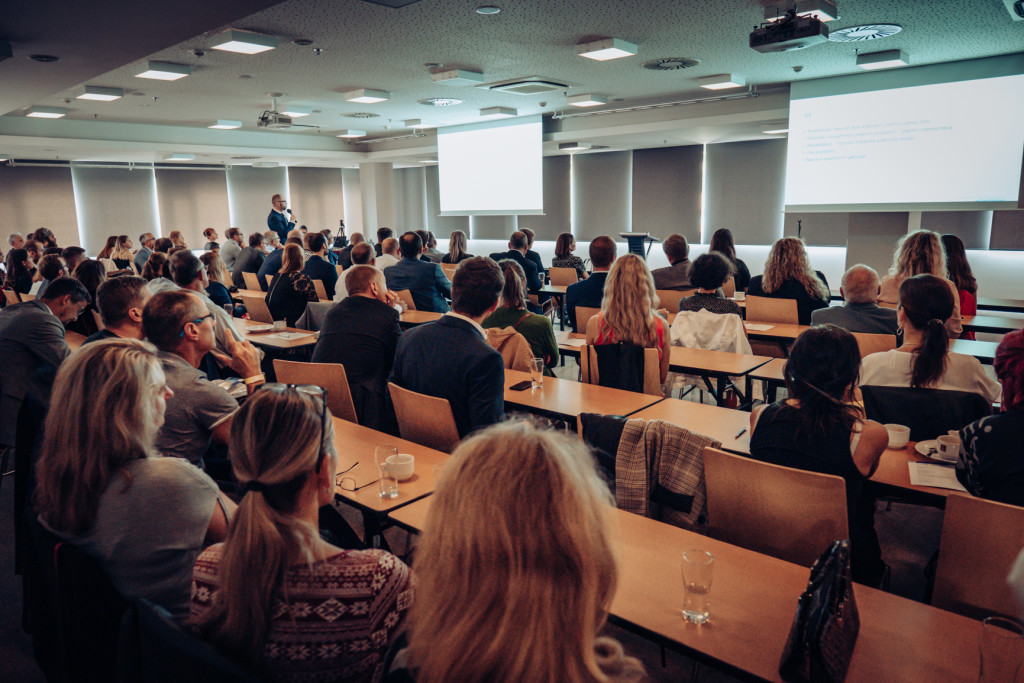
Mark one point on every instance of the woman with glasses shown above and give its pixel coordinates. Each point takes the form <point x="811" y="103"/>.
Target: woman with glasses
<point x="275" y="595"/>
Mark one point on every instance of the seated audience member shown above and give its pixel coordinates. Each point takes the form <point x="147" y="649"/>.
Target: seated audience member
<point x="958" y="271"/>
<point x="354" y="601"/>
<point x="317" y="267"/>
<point x="450" y="358"/>
<point x="517" y="247"/>
<point x="708" y="273"/>
<point x="564" y="258"/>
<point x="272" y="241"/>
<point x="291" y="289"/>
<point x="72" y="257"/>
<point x="382" y="234"/>
<point x="361" y="333"/>
<point x="628" y="314"/>
<point x="677" y="274"/>
<point x="249" y="260"/>
<point x="188" y="273"/>
<point x="18" y="271"/>
<point x="362" y="255"/>
<point x="298" y="236"/>
<point x="122" y="255"/>
<point x="590" y="292"/>
<point x="426" y="282"/>
<point x="92" y="274"/>
<point x="211" y="240"/>
<point x="431" y="251"/>
<point x="216" y="288"/>
<point x="456" y="248"/>
<point x="345" y="255"/>
<point x="859" y="313"/>
<point x="511" y="586"/>
<point x="232" y="247"/>
<point x="425" y="238"/>
<point x="788" y="275"/>
<point x="15" y="240"/>
<point x="512" y="312"/>
<point x="50" y="268"/>
<point x="332" y="258"/>
<point x="35" y="251"/>
<point x="920" y="253"/>
<point x="45" y="237"/>
<point x="389" y="253"/>
<point x="721" y="241"/>
<point x="991" y="463"/>
<point x="531" y="254"/>
<point x="163" y="245"/>
<point x="178" y="239"/>
<point x="106" y="252"/>
<point x="925" y="360"/>
<point x="120" y="301"/>
<point x="272" y="263"/>
<point x="103" y="486"/>
<point x="147" y="245"/>
<point x="819" y="430"/>
<point x="156" y="268"/>
<point x="179" y="325"/>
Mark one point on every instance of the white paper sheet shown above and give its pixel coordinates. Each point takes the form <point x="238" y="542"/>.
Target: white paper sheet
<point x="757" y="327"/>
<point x="575" y="342"/>
<point x="938" y="476"/>
<point x="289" y="335"/>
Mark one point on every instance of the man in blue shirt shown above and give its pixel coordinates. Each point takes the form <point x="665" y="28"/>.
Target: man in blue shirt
<point x="588" y="293"/>
<point x="425" y="281"/>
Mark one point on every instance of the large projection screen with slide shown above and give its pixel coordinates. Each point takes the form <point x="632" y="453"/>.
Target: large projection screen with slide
<point x="492" y="168"/>
<point x="935" y="138"/>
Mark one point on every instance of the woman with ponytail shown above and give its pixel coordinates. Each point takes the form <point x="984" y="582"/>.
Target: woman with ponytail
<point x="275" y="595"/>
<point x="924" y="360"/>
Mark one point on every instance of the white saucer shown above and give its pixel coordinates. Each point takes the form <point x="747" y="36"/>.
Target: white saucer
<point x="255" y="329"/>
<point x="929" y="449"/>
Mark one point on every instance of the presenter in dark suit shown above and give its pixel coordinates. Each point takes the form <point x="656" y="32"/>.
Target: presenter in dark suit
<point x="517" y="248"/>
<point x="425" y="281"/>
<point x="589" y="292"/>
<point x="317" y="266"/>
<point x="451" y="358"/>
<point x="280" y="220"/>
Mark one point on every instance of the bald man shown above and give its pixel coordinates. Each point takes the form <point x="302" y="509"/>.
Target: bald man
<point x="859" y="313"/>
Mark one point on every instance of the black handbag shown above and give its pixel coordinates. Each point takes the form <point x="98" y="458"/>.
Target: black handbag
<point x="824" y="631"/>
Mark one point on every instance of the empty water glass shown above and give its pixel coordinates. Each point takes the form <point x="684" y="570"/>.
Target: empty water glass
<point x="537" y="373"/>
<point x="388" y="472"/>
<point x="697" y="572"/>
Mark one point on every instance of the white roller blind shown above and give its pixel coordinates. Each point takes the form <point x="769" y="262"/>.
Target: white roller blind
<point x="666" y="191"/>
<point x="442" y="226"/>
<point x="318" y="198"/>
<point x="818" y="229"/>
<point x="38" y="198"/>
<point x="602" y="194"/>
<point x="492" y="227"/>
<point x="249" y="193"/>
<point x="973" y="227"/>
<point x="744" y="189"/>
<point x="1007" y="230"/>
<point x="557" y="201"/>
<point x="410" y="199"/>
<point x="191" y="201"/>
<point x="114" y="201"/>
<point x="873" y="238"/>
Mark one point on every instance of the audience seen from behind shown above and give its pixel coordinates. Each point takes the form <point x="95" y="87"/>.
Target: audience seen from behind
<point x="456" y="248"/>
<point x="72" y="257"/>
<point x="991" y="464"/>
<point x="107" y="250"/>
<point x="19" y="269"/>
<point x="426" y="282"/>
<point x="564" y="258"/>
<point x="163" y="245"/>
<point x="677" y="274"/>
<point x="156" y="268"/>
<point x="50" y="268"/>
<point x="389" y="255"/>
<point x="317" y="266"/>
<point x="530" y="604"/>
<point x="345" y="255"/>
<point x="120" y="301"/>
<point x="958" y="271"/>
<point x="45" y="237"/>
<point x="472" y="380"/>
<point x="276" y="596"/>
<point x="590" y="292"/>
<point x="512" y="313"/>
<point x="925" y="359"/>
<point x="383" y="233"/>
<point x="820" y="430"/>
<point x="517" y="248"/>
<point x="188" y="273"/>
<point x="249" y="260"/>
<point x="15" y="240"/>
<point x="34" y="249"/>
<point x="531" y="254"/>
<point x="788" y="275"/>
<point x="708" y="273"/>
<point x="232" y="247"/>
<point x="859" y="312"/>
<point x="431" y="251"/>
<point x="721" y="241"/>
<point x="216" y="276"/>
<point x="920" y="253"/>
<point x="361" y="255"/>
<point x="628" y="312"/>
<point x="291" y="289"/>
<point x="92" y="274"/>
<point x="102" y="484"/>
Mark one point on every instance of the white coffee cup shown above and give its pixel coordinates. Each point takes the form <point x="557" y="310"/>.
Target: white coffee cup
<point x="948" y="447"/>
<point x="739" y="295"/>
<point x="898" y="435"/>
<point x="280" y="325"/>
<point x="404" y="464"/>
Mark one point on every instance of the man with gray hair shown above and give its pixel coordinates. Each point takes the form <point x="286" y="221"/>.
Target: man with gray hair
<point x="859" y="313"/>
<point x="16" y="240"/>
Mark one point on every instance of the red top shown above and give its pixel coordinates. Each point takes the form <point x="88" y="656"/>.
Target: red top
<point x="968" y="306"/>
<point x="606" y="335"/>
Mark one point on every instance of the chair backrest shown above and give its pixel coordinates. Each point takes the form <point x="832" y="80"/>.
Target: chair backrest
<point x="321" y="291"/>
<point x="583" y="316"/>
<point x="980" y="541"/>
<point x="406" y="297"/>
<point x="928" y="412"/>
<point x="252" y="281"/>
<point x="256" y="306"/>
<point x="713" y="331"/>
<point x="97" y="318"/>
<point x="340" y="268"/>
<point x="563" y="276"/>
<point x="886" y="304"/>
<point x="449" y="269"/>
<point x="426" y="420"/>
<point x="12" y="296"/>
<point x="729" y="288"/>
<point x="330" y="376"/>
<point x="766" y="309"/>
<point x="28" y="297"/>
<point x="874" y="343"/>
<point x="590" y="372"/>
<point x="669" y="298"/>
<point x="42" y="599"/>
<point x="780" y="511"/>
<point x="74" y="339"/>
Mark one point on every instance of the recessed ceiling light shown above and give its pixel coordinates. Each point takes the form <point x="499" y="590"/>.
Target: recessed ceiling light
<point x="822" y="10"/>
<point x="722" y="81"/>
<point x="95" y="92"/>
<point x="883" y="59"/>
<point x="296" y="112"/>
<point x="367" y="96"/>
<point x="226" y="124"/>
<point x="774" y="131"/>
<point x="303" y="42"/>
<point x="165" y="71"/>
<point x="178" y="156"/>
<point x="497" y="113"/>
<point x="573" y="146"/>
<point x="352" y="133"/>
<point x="418" y="124"/>
<point x="606" y="48"/>
<point x="46" y="112"/>
<point x="586" y="100"/>
<point x="458" y="77"/>
<point x="428" y="161"/>
<point x="243" y="42"/>
<point x="487" y="9"/>
<point x="45" y="59"/>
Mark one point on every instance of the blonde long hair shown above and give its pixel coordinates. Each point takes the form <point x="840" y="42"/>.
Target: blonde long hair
<point x="216" y="271"/>
<point x="456" y="245"/>
<point x="629" y="302"/>
<point x="109" y="413"/>
<point x="177" y="239"/>
<point x="507" y="590"/>
<point x="121" y="250"/>
<point x="919" y="253"/>
<point x="275" y="441"/>
<point x="788" y="261"/>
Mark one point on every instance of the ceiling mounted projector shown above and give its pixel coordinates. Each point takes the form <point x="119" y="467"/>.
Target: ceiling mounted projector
<point x="792" y="33"/>
<point x="274" y="121"/>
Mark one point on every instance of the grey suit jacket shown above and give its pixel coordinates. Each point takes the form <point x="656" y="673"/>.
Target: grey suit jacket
<point x="673" y="277"/>
<point x="141" y="256"/>
<point x="869" y="318"/>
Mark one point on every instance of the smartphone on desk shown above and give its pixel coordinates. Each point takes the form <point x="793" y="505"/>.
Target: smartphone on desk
<point x="521" y="386"/>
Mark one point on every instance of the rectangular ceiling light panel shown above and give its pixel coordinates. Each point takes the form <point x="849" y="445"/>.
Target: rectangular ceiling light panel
<point x="606" y="48"/>
<point x="165" y="71"/>
<point x="95" y="92"/>
<point x="243" y="42"/>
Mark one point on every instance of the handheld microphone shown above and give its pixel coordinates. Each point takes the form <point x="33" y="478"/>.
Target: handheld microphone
<point x="289" y="211"/>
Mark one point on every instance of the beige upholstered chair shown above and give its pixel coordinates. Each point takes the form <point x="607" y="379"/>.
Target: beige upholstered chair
<point x="874" y="343"/>
<point x="563" y="276"/>
<point x="669" y="298"/>
<point x="729" y="288"/>
<point x="449" y="269"/>
<point x="766" y="309"/>
<point x="340" y="268"/>
<point x="406" y="296"/>
<point x="426" y="420"/>
<point x="257" y="308"/>
<point x="74" y="339"/>
<point x="321" y="292"/>
<point x="330" y="376"/>
<point x="583" y="316"/>
<point x="252" y="281"/>
<point x="12" y="297"/>
<point x="652" y="369"/>
<point x="780" y="511"/>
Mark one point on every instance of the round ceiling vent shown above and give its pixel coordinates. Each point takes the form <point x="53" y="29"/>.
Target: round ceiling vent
<point x="441" y="102"/>
<point x="362" y="115"/>
<point x="670" y="64"/>
<point x="855" y="34"/>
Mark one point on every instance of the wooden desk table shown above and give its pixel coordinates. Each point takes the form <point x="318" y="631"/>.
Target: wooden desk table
<point x="718" y="365"/>
<point x="1009" y="305"/>
<point x="984" y="351"/>
<point x="771" y="374"/>
<point x="412" y="318"/>
<point x="558" y="292"/>
<point x="567" y="399"/>
<point x="893" y="475"/>
<point x="267" y="339"/>
<point x="250" y="292"/>
<point x="721" y="424"/>
<point x="753" y="601"/>
<point x="992" y="323"/>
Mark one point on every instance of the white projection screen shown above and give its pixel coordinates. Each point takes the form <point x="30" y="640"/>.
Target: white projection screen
<point x="491" y="168"/>
<point x="935" y="138"/>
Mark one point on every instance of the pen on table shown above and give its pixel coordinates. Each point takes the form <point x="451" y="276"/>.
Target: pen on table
<point x="742" y="432"/>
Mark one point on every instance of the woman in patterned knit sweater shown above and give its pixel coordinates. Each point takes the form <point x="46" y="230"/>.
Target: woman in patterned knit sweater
<point x="275" y="595"/>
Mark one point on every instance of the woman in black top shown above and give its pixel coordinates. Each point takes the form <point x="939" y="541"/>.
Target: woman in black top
<point x="788" y="275"/>
<point x="456" y="248"/>
<point x="291" y="289"/>
<point x="722" y="242"/>
<point x="19" y="271"/>
<point x="91" y="274"/>
<point x="817" y="429"/>
<point x="707" y="274"/>
<point x="122" y="253"/>
<point x="564" y="258"/>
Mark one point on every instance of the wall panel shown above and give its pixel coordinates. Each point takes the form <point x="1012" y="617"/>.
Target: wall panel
<point x="249" y="193"/>
<point x="744" y="189"/>
<point x="667" y="191"/>
<point x="602" y="194"/>
<point x="557" y="206"/>
<point x="36" y="197"/>
<point x="114" y="201"/>
<point x="193" y="200"/>
<point x="318" y="198"/>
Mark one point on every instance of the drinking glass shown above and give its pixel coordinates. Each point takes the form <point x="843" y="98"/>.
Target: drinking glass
<point x="697" y="572"/>
<point x="388" y="473"/>
<point x="537" y="372"/>
<point x="1002" y="649"/>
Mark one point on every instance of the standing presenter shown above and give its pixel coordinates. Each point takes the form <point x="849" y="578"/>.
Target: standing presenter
<point x="281" y="219"/>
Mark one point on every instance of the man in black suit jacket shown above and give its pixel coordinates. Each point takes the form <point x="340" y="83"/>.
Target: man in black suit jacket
<point x="451" y="358"/>
<point x="531" y="254"/>
<point x="517" y="252"/>
<point x="317" y="267"/>
<point x="589" y="292"/>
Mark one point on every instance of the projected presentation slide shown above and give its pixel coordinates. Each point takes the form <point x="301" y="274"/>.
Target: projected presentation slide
<point x="926" y="145"/>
